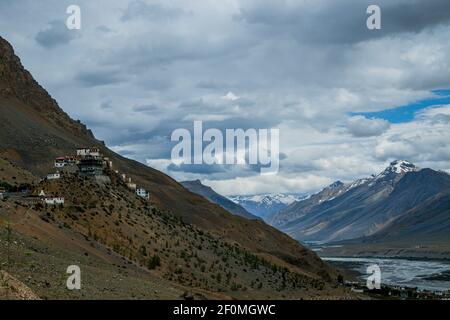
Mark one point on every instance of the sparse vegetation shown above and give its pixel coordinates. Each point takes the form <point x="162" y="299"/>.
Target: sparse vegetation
<point x="158" y="240"/>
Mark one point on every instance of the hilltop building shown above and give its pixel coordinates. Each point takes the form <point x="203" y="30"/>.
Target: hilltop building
<point x="54" y="201"/>
<point x="82" y="152"/>
<point x="87" y="162"/>
<point x="107" y="163"/>
<point x="91" y="165"/>
<point x="53" y="176"/>
<point x="141" y="192"/>
<point x="90" y="161"/>
<point x="62" y="162"/>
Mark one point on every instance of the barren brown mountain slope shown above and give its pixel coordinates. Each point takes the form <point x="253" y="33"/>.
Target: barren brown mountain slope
<point x="34" y="130"/>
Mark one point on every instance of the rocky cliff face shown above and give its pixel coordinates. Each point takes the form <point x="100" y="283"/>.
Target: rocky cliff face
<point x="16" y="83"/>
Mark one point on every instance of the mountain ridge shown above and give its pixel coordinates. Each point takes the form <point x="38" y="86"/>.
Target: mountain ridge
<point x="265" y="205"/>
<point x="197" y="187"/>
<point x="363" y="207"/>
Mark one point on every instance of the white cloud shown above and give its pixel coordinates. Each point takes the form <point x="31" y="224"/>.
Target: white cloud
<point x="264" y="184"/>
<point x="230" y="96"/>
<point x="360" y="126"/>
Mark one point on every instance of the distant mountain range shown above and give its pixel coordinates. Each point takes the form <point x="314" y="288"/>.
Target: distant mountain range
<point x="265" y="205"/>
<point x="401" y="202"/>
<point x="207" y="192"/>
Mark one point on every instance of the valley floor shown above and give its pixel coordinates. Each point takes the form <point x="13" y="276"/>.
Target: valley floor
<point x="397" y="250"/>
<point x="418" y="272"/>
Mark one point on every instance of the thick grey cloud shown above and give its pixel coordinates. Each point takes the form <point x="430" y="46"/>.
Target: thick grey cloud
<point x="98" y="78"/>
<point x="146" y="108"/>
<point x="360" y="126"/>
<point x="339" y="22"/>
<point x="106" y="105"/>
<point x="140" y="69"/>
<point x="154" y="11"/>
<point x="55" y="34"/>
<point x="201" y="169"/>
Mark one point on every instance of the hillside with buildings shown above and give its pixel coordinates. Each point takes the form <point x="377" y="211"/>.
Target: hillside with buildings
<point x="67" y="198"/>
<point x="99" y="217"/>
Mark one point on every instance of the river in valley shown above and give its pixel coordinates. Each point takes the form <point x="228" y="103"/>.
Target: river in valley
<point x="423" y="274"/>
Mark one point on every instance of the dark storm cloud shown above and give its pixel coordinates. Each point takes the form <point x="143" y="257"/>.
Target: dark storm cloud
<point x="216" y="171"/>
<point x="197" y="168"/>
<point x="415" y="16"/>
<point x="211" y="84"/>
<point x="167" y="47"/>
<point x="98" y="78"/>
<point x="165" y="128"/>
<point x="55" y="34"/>
<point x="343" y="21"/>
<point x="130" y="137"/>
<point x="106" y="105"/>
<point x="239" y="123"/>
<point x="141" y="9"/>
<point x="150" y="108"/>
<point x="104" y="29"/>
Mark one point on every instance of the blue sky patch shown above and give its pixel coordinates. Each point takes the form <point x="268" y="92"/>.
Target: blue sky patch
<point x="407" y="112"/>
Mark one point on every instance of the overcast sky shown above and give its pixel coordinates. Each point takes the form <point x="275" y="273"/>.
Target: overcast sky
<point x="347" y="100"/>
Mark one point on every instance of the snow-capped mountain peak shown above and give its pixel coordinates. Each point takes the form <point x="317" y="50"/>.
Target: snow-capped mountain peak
<point x="400" y="166"/>
<point x="336" y="184"/>
<point x="265" y="204"/>
<point x="397" y="167"/>
<point x="358" y="182"/>
<point x="269" y="199"/>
